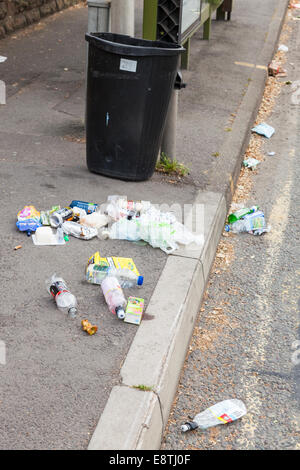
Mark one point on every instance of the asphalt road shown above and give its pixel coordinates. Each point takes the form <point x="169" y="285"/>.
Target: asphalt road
<point x="246" y="341"/>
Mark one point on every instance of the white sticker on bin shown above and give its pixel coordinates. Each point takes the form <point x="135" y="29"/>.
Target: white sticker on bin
<point x="128" y="65"/>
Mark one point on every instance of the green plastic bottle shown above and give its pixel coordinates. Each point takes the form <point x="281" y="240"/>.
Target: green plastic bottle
<point x="241" y="213"/>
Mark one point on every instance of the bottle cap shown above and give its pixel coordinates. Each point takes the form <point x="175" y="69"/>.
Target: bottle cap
<point x="120" y="313"/>
<point x="185" y="427"/>
<point x="140" y="280"/>
<point x="72" y="312"/>
<point x="227" y="228"/>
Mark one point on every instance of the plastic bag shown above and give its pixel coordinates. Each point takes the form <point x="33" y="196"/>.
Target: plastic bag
<point x="159" y="229"/>
<point x="264" y="129"/>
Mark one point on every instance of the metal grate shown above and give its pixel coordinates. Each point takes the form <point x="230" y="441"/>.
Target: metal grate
<point x="168" y="20"/>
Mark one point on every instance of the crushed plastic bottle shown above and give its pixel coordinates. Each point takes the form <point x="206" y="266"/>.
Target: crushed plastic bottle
<point x="223" y="412"/>
<point x="252" y="223"/>
<point x="239" y="214"/>
<point x="114" y="296"/>
<point x="65" y="301"/>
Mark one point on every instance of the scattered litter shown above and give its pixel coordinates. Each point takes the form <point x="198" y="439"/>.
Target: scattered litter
<point x="295" y="5"/>
<point x="58" y="217"/>
<point x="118" y="207"/>
<point x="45" y="215"/>
<point x="28" y="226"/>
<point x="253" y="222"/>
<point x="123" y="269"/>
<point x="223" y="412"/>
<point x="28" y="220"/>
<point x="17" y="247"/>
<point x="134" y="310"/>
<point x="88" y="327"/>
<point x="239" y="214"/>
<point x="271" y="154"/>
<point x="114" y="296"/>
<point x="251" y="163"/>
<point x="159" y="229"/>
<point x="264" y="129"/>
<point x="96" y="220"/>
<point x="274" y="68"/>
<point x="65" y="301"/>
<point x="28" y="212"/>
<point x="283" y="48"/>
<point x="2" y="59"/>
<point x="118" y="218"/>
<point x="88" y="207"/>
<point x="48" y="236"/>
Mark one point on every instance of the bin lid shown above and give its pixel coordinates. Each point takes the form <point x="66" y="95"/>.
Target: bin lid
<point x="127" y="45"/>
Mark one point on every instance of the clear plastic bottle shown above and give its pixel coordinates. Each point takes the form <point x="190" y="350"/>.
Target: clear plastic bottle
<point x="239" y="226"/>
<point x="126" y="277"/>
<point x="114" y="296"/>
<point x="222" y="413"/>
<point x="253" y="222"/>
<point x="65" y="301"/>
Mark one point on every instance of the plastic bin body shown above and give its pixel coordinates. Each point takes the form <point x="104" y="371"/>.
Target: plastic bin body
<point x="129" y="86"/>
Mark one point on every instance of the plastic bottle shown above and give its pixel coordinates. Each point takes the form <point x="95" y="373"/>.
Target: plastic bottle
<point x="253" y="222"/>
<point x="222" y="413"/>
<point x="65" y="301"/>
<point x="126" y="277"/>
<point x="239" y="214"/>
<point x="114" y="296"/>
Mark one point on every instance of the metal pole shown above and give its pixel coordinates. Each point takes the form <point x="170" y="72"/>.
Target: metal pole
<point x="168" y="145"/>
<point x="122" y="17"/>
<point x="98" y="22"/>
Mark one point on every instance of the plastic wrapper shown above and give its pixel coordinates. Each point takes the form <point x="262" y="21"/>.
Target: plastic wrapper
<point x="159" y="229"/>
<point x="264" y="129"/>
<point x="48" y="236"/>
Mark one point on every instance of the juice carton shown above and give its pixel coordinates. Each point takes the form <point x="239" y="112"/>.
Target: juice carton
<point x="134" y="310"/>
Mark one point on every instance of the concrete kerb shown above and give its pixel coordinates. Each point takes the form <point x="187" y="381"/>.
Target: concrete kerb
<point x="138" y="409"/>
<point x="136" y="413"/>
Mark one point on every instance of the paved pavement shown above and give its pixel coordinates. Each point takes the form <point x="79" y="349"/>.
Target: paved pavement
<point x="56" y="381"/>
<point x="246" y="341"/>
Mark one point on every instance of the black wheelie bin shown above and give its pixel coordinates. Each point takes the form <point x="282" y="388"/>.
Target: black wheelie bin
<point x="129" y="86"/>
